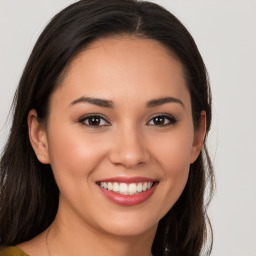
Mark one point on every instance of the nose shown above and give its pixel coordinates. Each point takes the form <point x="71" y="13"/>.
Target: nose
<point x="129" y="149"/>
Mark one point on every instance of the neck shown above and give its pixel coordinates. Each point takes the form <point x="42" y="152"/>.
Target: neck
<point x="75" y="237"/>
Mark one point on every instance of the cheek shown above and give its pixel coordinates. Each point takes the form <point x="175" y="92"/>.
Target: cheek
<point x="175" y="166"/>
<point x="174" y="152"/>
<point x="174" y="158"/>
<point x="73" y="152"/>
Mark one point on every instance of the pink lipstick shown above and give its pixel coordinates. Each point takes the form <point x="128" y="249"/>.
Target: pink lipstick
<point x="127" y="191"/>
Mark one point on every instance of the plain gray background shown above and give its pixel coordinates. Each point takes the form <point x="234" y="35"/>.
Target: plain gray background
<point x="226" y="37"/>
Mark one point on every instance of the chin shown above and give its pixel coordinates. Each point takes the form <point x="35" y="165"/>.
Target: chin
<point x="130" y="225"/>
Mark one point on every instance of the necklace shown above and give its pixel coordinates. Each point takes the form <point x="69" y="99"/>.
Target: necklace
<point x="47" y="245"/>
<point x="46" y="240"/>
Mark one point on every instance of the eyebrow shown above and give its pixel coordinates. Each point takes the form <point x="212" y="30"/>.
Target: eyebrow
<point x="98" y="102"/>
<point x="161" y="101"/>
<point x="109" y="104"/>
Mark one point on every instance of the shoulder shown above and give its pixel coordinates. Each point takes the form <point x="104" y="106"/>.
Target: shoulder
<point x="12" y="251"/>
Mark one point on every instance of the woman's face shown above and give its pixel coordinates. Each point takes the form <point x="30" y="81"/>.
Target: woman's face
<point x="119" y="124"/>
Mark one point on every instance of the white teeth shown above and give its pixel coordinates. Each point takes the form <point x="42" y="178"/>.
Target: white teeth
<point x="123" y="188"/>
<point x="126" y="189"/>
<point x="144" y="186"/>
<point x="105" y="185"/>
<point x="115" y="187"/>
<point x="139" y="187"/>
<point x="110" y="186"/>
<point x="132" y="189"/>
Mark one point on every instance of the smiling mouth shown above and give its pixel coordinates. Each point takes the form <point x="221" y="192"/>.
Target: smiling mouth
<point x="125" y="188"/>
<point x="127" y="191"/>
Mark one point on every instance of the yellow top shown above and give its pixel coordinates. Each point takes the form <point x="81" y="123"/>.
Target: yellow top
<point x="12" y="251"/>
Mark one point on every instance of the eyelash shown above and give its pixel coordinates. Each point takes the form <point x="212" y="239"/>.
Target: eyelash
<point x="170" y="120"/>
<point x="86" y="120"/>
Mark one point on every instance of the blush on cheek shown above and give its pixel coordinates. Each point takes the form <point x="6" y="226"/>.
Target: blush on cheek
<point x="176" y="157"/>
<point x="178" y="176"/>
<point x="176" y="168"/>
<point x="74" y="152"/>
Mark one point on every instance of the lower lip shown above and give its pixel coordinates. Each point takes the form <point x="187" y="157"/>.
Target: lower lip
<point x="128" y="200"/>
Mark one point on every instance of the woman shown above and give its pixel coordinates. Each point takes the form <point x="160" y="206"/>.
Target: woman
<point x="107" y="152"/>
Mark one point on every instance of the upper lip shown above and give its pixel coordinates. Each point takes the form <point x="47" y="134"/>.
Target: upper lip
<point x="122" y="179"/>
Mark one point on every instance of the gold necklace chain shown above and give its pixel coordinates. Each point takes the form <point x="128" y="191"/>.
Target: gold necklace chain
<point x="47" y="245"/>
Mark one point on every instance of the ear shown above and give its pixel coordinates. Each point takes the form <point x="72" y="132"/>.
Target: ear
<point x="199" y="136"/>
<point x="37" y="137"/>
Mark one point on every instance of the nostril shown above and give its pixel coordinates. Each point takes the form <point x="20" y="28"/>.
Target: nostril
<point x="129" y="158"/>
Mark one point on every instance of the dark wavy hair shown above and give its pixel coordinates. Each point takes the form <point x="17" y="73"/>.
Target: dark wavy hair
<point x="28" y="192"/>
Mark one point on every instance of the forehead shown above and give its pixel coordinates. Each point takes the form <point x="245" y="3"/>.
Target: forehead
<point x="138" y="68"/>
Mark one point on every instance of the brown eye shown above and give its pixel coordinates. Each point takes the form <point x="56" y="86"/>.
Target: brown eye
<point x="94" y="121"/>
<point x="162" y="120"/>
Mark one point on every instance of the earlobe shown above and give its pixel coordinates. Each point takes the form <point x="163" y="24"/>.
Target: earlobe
<point x="37" y="137"/>
<point x="199" y="137"/>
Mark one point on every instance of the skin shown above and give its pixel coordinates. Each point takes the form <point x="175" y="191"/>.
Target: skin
<point x="130" y="72"/>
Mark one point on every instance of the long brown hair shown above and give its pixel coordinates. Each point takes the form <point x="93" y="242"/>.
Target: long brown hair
<point x="28" y="192"/>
